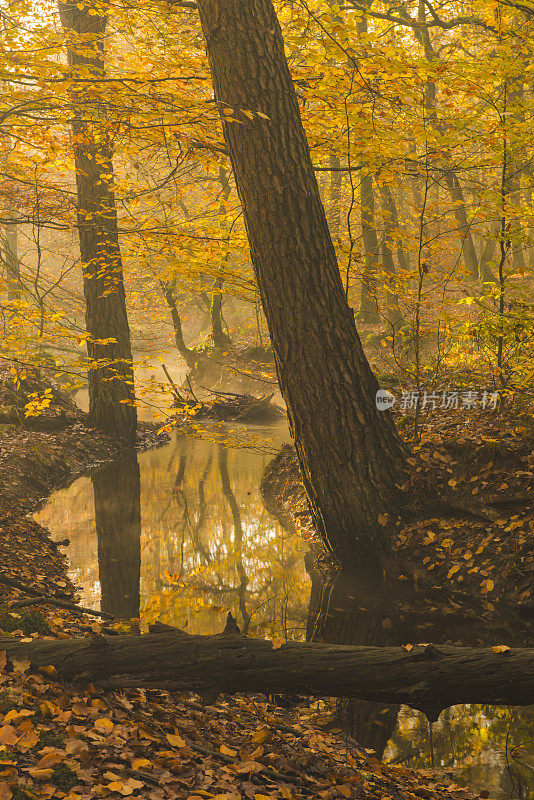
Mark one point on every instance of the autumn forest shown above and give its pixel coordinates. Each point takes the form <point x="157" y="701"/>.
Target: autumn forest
<point x="267" y="399"/>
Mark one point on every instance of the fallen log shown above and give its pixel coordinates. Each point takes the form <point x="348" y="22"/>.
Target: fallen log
<point x="426" y="677"/>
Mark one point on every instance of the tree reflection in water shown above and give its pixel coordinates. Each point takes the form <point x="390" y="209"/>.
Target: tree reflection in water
<point x="117" y="499"/>
<point x="207" y="545"/>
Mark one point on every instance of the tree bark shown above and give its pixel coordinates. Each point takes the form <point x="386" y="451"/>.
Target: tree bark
<point x="111" y="381"/>
<point x="187" y="354"/>
<point x="12" y="263"/>
<point x="221" y="340"/>
<point x="427" y="677"/>
<point x="395" y="318"/>
<point x="368" y="312"/>
<point x="469" y="252"/>
<point x="349" y="452"/>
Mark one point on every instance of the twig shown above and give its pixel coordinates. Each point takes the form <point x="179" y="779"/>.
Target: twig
<point x="43" y="598"/>
<point x="174" y="387"/>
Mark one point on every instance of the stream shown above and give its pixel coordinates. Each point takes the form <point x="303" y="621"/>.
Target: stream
<point x="180" y="534"/>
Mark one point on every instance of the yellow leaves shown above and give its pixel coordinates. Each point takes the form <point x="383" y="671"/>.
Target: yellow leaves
<point x="51" y="759"/>
<point x="277" y="642"/>
<point x="407" y="647"/>
<point x="40" y="774"/>
<point x="141" y="763"/>
<point x="487" y="586"/>
<point x="18" y="714"/>
<point x="453" y="570"/>
<point x="383" y="519"/>
<point x="227" y="751"/>
<point x="27" y="741"/>
<point x="50" y="670"/>
<point x="248" y="767"/>
<point x="124" y="787"/>
<point x="104" y="726"/>
<point x="500" y="648"/>
<point x="175" y="740"/>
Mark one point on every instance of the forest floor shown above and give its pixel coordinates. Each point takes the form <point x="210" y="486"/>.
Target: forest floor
<point x="466" y="539"/>
<point x="60" y="740"/>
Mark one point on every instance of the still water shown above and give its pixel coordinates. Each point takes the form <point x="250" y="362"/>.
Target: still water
<point x="180" y="535"/>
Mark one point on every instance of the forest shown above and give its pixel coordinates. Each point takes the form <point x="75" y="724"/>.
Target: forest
<point x="267" y="399"/>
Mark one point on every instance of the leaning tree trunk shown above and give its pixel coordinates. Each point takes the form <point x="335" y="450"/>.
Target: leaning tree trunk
<point x="111" y="388"/>
<point x="349" y="452"/>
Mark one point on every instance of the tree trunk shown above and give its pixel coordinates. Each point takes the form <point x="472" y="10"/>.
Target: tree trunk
<point x="368" y="312"/>
<point x="187" y="354"/>
<point x="469" y="252"/>
<point x="221" y="340"/>
<point x="12" y="263"/>
<point x="391" y="227"/>
<point x="111" y="381"/>
<point x="349" y="452"/>
<point x="427" y="678"/>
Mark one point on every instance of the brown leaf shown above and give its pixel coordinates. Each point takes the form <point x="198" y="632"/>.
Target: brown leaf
<point x="248" y="766"/>
<point x="8" y="735"/>
<point x="261" y="736"/>
<point x="501" y="648"/>
<point x="5" y="791"/>
<point x="175" y="740"/>
<point x="41" y="774"/>
<point x="104" y="725"/>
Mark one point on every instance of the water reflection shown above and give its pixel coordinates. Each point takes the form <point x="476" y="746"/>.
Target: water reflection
<point x="117" y="501"/>
<point x="181" y="535"/>
<point x="490" y="747"/>
<point x="199" y="538"/>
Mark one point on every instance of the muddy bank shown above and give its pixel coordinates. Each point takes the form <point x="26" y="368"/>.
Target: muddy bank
<point x="467" y="524"/>
<point x="33" y="464"/>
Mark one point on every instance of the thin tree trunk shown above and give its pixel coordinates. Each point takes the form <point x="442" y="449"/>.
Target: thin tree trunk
<point x="336" y="183"/>
<point x="428" y="678"/>
<point x="12" y="263"/>
<point x="188" y="355"/>
<point x="391" y="227"/>
<point x="111" y="381"/>
<point x="349" y="452"/>
<point x="368" y="311"/>
<point x="221" y="340"/>
<point x="469" y="252"/>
